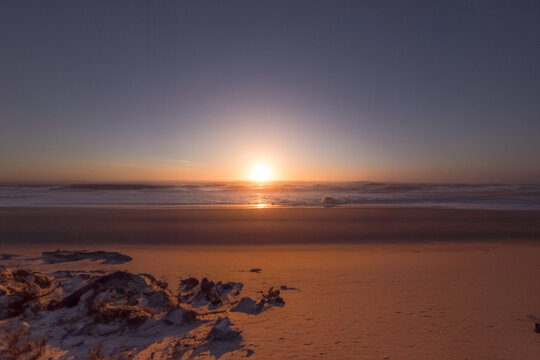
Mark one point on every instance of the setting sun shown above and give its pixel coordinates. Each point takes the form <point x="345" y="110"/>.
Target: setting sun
<point x="261" y="172"/>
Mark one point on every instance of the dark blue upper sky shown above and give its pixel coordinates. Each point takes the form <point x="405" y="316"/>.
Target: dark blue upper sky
<point x="379" y="90"/>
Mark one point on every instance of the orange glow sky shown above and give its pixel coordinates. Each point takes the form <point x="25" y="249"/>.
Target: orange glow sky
<point x="383" y="91"/>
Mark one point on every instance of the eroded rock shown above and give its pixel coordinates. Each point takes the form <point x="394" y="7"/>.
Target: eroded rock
<point x="207" y="293"/>
<point x="273" y="298"/>
<point x="123" y="315"/>
<point x="248" y="306"/>
<point x="285" y="287"/>
<point x="106" y="257"/>
<point x="328" y="201"/>
<point x="222" y="330"/>
<point x="20" y="291"/>
<point x="269" y="299"/>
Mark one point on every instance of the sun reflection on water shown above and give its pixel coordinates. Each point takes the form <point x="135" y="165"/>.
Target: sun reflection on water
<point x="261" y="205"/>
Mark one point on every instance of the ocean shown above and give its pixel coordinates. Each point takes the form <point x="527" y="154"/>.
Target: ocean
<point x="277" y="194"/>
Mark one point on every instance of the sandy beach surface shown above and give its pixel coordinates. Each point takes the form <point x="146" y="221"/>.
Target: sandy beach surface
<point x="452" y="294"/>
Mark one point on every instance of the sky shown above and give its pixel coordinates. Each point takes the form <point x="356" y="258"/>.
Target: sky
<point x="405" y="91"/>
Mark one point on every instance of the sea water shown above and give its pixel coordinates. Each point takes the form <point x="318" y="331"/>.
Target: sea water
<point x="284" y="194"/>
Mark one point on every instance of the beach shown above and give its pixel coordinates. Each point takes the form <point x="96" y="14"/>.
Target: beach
<point x="193" y="180"/>
<point x="361" y="283"/>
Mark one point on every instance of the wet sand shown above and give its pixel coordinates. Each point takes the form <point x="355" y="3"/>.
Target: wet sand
<point x="263" y="226"/>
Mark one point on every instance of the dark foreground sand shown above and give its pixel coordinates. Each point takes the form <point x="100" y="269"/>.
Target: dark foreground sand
<point x="443" y="284"/>
<point x="263" y="226"/>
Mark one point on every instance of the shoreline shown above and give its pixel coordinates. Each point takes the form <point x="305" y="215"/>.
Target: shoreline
<point x="263" y="226"/>
<point x="266" y="206"/>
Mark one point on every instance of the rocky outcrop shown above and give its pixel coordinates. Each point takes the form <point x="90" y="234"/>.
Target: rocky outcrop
<point x="222" y="330"/>
<point x="328" y="201"/>
<point x="106" y="257"/>
<point x="21" y="291"/>
<point x="272" y="297"/>
<point x="120" y="314"/>
<point x="248" y="306"/>
<point x="207" y="293"/>
<point x="269" y="299"/>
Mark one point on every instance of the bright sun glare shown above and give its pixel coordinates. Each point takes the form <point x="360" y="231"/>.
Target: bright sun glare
<point x="261" y="172"/>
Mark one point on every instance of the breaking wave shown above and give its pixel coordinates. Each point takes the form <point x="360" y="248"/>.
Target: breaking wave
<point x="289" y="194"/>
